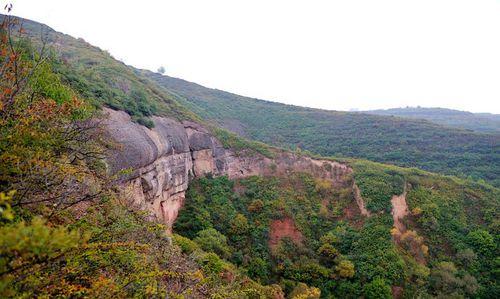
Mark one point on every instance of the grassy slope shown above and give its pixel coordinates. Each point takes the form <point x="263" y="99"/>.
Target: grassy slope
<point x="412" y="143"/>
<point x="100" y="78"/>
<point x="480" y="122"/>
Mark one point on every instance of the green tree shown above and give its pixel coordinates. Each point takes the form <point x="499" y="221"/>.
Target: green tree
<point x="213" y="241"/>
<point x="482" y="241"/>
<point x="377" y="289"/>
<point x="239" y="224"/>
<point x="258" y="268"/>
<point x="444" y="279"/>
<point x="303" y="291"/>
<point x="328" y="253"/>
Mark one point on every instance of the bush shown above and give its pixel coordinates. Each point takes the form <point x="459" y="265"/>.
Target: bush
<point x="377" y="289"/>
<point x="482" y="242"/>
<point x="145" y="122"/>
<point x="187" y="246"/>
<point x="211" y="240"/>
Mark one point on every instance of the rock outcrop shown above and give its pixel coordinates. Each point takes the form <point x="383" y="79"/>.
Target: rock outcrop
<point x="164" y="159"/>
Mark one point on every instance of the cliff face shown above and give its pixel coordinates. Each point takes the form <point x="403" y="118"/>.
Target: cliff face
<point x="164" y="159"/>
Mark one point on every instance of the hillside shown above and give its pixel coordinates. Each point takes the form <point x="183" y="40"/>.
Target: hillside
<point x="404" y="142"/>
<point x="480" y="122"/>
<point x="99" y="78"/>
<point x="112" y="186"/>
<point x="297" y="228"/>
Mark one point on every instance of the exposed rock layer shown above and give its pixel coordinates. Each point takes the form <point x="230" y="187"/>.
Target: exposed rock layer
<point x="162" y="160"/>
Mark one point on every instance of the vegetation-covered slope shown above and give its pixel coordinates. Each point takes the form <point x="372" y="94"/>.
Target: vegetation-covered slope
<point x="99" y="78"/>
<point x="300" y="230"/>
<point x="480" y="122"/>
<point x="411" y="143"/>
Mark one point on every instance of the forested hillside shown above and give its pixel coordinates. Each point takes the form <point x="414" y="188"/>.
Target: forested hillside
<point x="70" y="226"/>
<point x="480" y="122"/>
<point x="404" y="142"/>
<point x="299" y="229"/>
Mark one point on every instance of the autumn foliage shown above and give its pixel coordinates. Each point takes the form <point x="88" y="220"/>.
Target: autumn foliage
<point x="49" y="147"/>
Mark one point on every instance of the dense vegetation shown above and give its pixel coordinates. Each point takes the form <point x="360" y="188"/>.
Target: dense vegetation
<point x="480" y="122"/>
<point x="404" y="142"/>
<point x="64" y="230"/>
<point x="299" y="230"/>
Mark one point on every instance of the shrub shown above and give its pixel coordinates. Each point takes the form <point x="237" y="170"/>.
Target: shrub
<point x="211" y="240"/>
<point x="377" y="289"/>
<point x="187" y="246"/>
<point x="482" y="242"/>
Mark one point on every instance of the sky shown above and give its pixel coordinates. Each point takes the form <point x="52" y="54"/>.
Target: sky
<point x="338" y="55"/>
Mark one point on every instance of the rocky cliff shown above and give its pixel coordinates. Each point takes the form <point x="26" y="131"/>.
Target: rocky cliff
<point x="161" y="162"/>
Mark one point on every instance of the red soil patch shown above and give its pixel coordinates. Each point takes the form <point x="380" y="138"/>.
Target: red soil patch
<point x="397" y="292"/>
<point x="283" y="228"/>
<point x="408" y="239"/>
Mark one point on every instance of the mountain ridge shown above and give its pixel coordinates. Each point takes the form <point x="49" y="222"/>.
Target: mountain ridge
<point x="480" y="122"/>
<point x="397" y="111"/>
<point x="412" y="143"/>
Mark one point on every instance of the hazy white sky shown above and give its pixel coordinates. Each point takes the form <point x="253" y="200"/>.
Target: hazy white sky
<point x="326" y="54"/>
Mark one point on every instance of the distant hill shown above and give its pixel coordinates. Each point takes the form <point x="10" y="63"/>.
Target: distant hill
<point x="480" y="122"/>
<point x="405" y="142"/>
